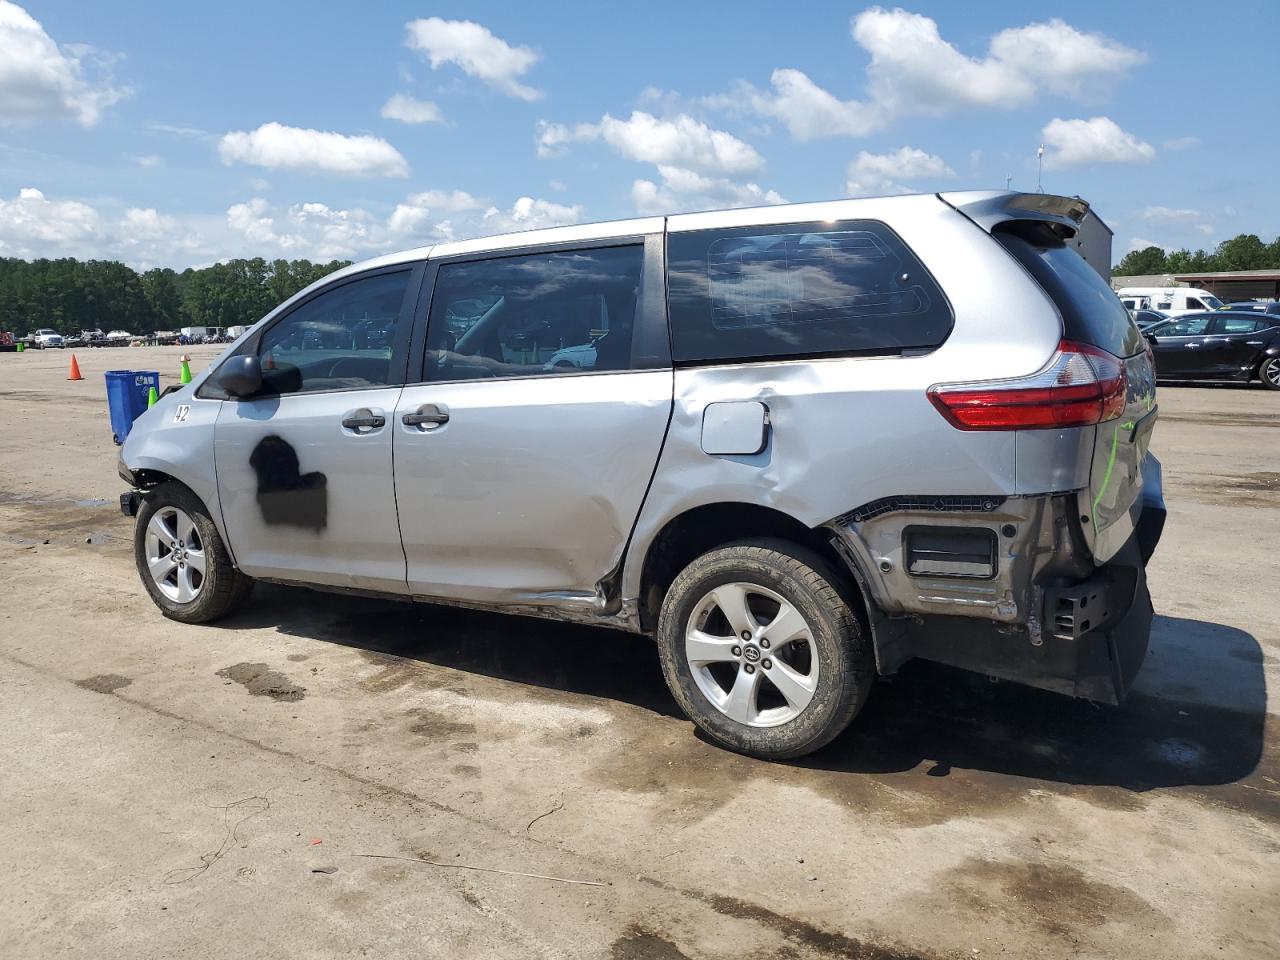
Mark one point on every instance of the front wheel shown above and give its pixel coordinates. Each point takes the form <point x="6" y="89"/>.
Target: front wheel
<point x="762" y="651"/>
<point x="1269" y="373"/>
<point x="182" y="560"/>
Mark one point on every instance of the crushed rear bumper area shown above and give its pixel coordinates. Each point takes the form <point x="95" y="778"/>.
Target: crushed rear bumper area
<point x="1031" y="608"/>
<point x="1091" y="645"/>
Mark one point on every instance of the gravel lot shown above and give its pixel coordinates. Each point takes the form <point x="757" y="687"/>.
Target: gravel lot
<point x="208" y="792"/>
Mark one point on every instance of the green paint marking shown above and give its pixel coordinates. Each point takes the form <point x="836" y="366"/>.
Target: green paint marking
<point x="1106" y="477"/>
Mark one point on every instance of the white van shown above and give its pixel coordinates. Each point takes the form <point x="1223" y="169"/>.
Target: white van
<point x="1168" y="300"/>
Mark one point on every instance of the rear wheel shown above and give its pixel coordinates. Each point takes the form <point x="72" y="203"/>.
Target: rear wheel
<point x="762" y="651"/>
<point x="182" y="560"/>
<point x="1269" y="373"/>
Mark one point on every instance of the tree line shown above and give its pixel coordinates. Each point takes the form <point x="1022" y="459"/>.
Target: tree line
<point x="1243" y="252"/>
<point x="70" y="295"/>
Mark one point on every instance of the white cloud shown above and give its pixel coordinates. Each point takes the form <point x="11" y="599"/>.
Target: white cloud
<point x="476" y="51"/>
<point x="1159" y="214"/>
<point x="418" y="209"/>
<point x="1096" y="140"/>
<point x="31" y="225"/>
<point x="1176" y="217"/>
<point x="876" y="174"/>
<point x="528" y="213"/>
<point x="679" y="142"/>
<point x="1061" y="59"/>
<point x="683" y="189"/>
<point x="278" y="147"/>
<point x="146" y="224"/>
<point x="40" y="81"/>
<point x="1181" y="143"/>
<point x="149" y="161"/>
<point x="406" y="109"/>
<point x="810" y="112"/>
<point x="913" y="70"/>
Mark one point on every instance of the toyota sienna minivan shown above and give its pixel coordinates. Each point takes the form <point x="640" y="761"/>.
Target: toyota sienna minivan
<point x="797" y="445"/>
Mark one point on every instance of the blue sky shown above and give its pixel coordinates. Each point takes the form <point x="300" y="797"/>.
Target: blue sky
<point x="185" y="133"/>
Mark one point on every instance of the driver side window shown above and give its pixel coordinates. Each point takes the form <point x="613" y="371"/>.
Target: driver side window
<point x="339" y="340"/>
<point x="1188" y="327"/>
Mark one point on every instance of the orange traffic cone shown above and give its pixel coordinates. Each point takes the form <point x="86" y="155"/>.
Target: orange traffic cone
<point x="74" y="372"/>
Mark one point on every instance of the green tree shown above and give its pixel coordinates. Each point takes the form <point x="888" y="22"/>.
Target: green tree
<point x="1148" y="260"/>
<point x="1244" y="252"/>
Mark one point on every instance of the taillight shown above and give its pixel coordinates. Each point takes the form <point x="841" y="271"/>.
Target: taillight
<point x="1079" y="386"/>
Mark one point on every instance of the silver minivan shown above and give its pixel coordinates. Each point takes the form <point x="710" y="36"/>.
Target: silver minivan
<point x="797" y="445"/>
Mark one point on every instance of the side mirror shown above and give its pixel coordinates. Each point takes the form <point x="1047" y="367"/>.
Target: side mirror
<point x="1151" y="338"/>
<point x="241" y="376"/>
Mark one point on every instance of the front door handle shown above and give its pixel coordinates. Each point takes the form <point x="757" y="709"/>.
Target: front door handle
<point x="1193" y="346"/>
<point x="428" y="415"/>
<point x="364" y="419"/>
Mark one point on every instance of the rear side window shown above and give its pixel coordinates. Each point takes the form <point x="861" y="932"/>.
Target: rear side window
<point x="799" y="290"/>
<point x="1091" y="312"/>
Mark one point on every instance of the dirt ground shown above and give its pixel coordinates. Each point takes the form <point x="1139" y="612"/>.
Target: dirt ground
<point x="209" y="792"/>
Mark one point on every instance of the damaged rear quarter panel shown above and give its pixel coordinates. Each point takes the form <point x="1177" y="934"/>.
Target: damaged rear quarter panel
<point x="847" y="430"/>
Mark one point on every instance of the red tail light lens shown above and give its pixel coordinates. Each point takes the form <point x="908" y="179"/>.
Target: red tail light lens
<point x="1080" y="385"/>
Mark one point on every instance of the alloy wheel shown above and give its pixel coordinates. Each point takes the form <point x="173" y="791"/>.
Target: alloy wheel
<point x="175" y="554"/>
<point x="1271" y="371"/>
<point x="752" y="654"/>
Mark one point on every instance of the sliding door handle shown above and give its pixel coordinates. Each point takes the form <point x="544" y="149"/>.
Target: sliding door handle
<point x="428" y="415"/>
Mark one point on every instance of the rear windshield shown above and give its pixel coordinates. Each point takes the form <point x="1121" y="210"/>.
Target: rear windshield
<point x="1091" y="312"/>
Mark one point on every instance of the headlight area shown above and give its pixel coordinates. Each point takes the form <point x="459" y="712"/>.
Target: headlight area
<point x="1003" y="586"/>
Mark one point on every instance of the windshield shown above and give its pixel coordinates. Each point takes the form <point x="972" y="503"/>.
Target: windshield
<point x="1212" y="302"/>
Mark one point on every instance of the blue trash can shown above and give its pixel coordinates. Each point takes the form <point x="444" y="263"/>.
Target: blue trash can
<point x="127" y="392"/>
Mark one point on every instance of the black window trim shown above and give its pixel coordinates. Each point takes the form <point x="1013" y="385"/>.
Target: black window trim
<point x="399" y="347"/>
<point x="903" y="352"/>
<point x="649" y="330"/>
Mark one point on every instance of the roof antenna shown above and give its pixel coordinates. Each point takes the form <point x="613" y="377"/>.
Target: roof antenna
<point x="1008" y="182"/>
<point x="1039" y="168"/>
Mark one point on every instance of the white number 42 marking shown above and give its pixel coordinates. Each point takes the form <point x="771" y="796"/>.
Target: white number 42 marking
<point x="180" y="414"/>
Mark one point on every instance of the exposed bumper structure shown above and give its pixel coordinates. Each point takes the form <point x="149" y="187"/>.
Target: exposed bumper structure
<point x="1043" y="615"/>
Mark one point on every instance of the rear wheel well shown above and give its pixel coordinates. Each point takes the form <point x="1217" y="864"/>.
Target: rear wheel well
<point x="694" y="532"/>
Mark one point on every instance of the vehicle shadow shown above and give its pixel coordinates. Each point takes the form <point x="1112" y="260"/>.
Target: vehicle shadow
<point x="1196" y="717"/>
<point x="586" y="660"/>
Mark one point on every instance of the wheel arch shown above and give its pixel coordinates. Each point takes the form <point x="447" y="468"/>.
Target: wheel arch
<point x="692" y="533"/>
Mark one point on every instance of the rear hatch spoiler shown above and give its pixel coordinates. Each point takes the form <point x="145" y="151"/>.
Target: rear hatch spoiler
<point x="987" y="208"/>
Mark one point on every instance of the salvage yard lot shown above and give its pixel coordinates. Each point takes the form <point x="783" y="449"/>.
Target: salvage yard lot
<point x="180" y="791"/>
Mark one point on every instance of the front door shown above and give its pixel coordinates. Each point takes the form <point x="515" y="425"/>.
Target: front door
<point x="304" y="468"/>
<point x="1178" y="347"/>
<point x="523" y="460"/>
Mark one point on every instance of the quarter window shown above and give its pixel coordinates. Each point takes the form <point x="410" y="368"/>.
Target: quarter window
<point x="340" y="339"/>
<point x="798" y="290"/>
<point x="542" y="314"/>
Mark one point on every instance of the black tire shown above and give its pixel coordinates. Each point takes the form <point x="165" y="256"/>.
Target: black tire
<point x="1269" y="372"/>
<point x="223" y="589"/>
<point x="846" y="664"/>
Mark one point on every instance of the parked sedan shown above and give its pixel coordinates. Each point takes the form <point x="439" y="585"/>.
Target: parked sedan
<point x="1218" y="346"/>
